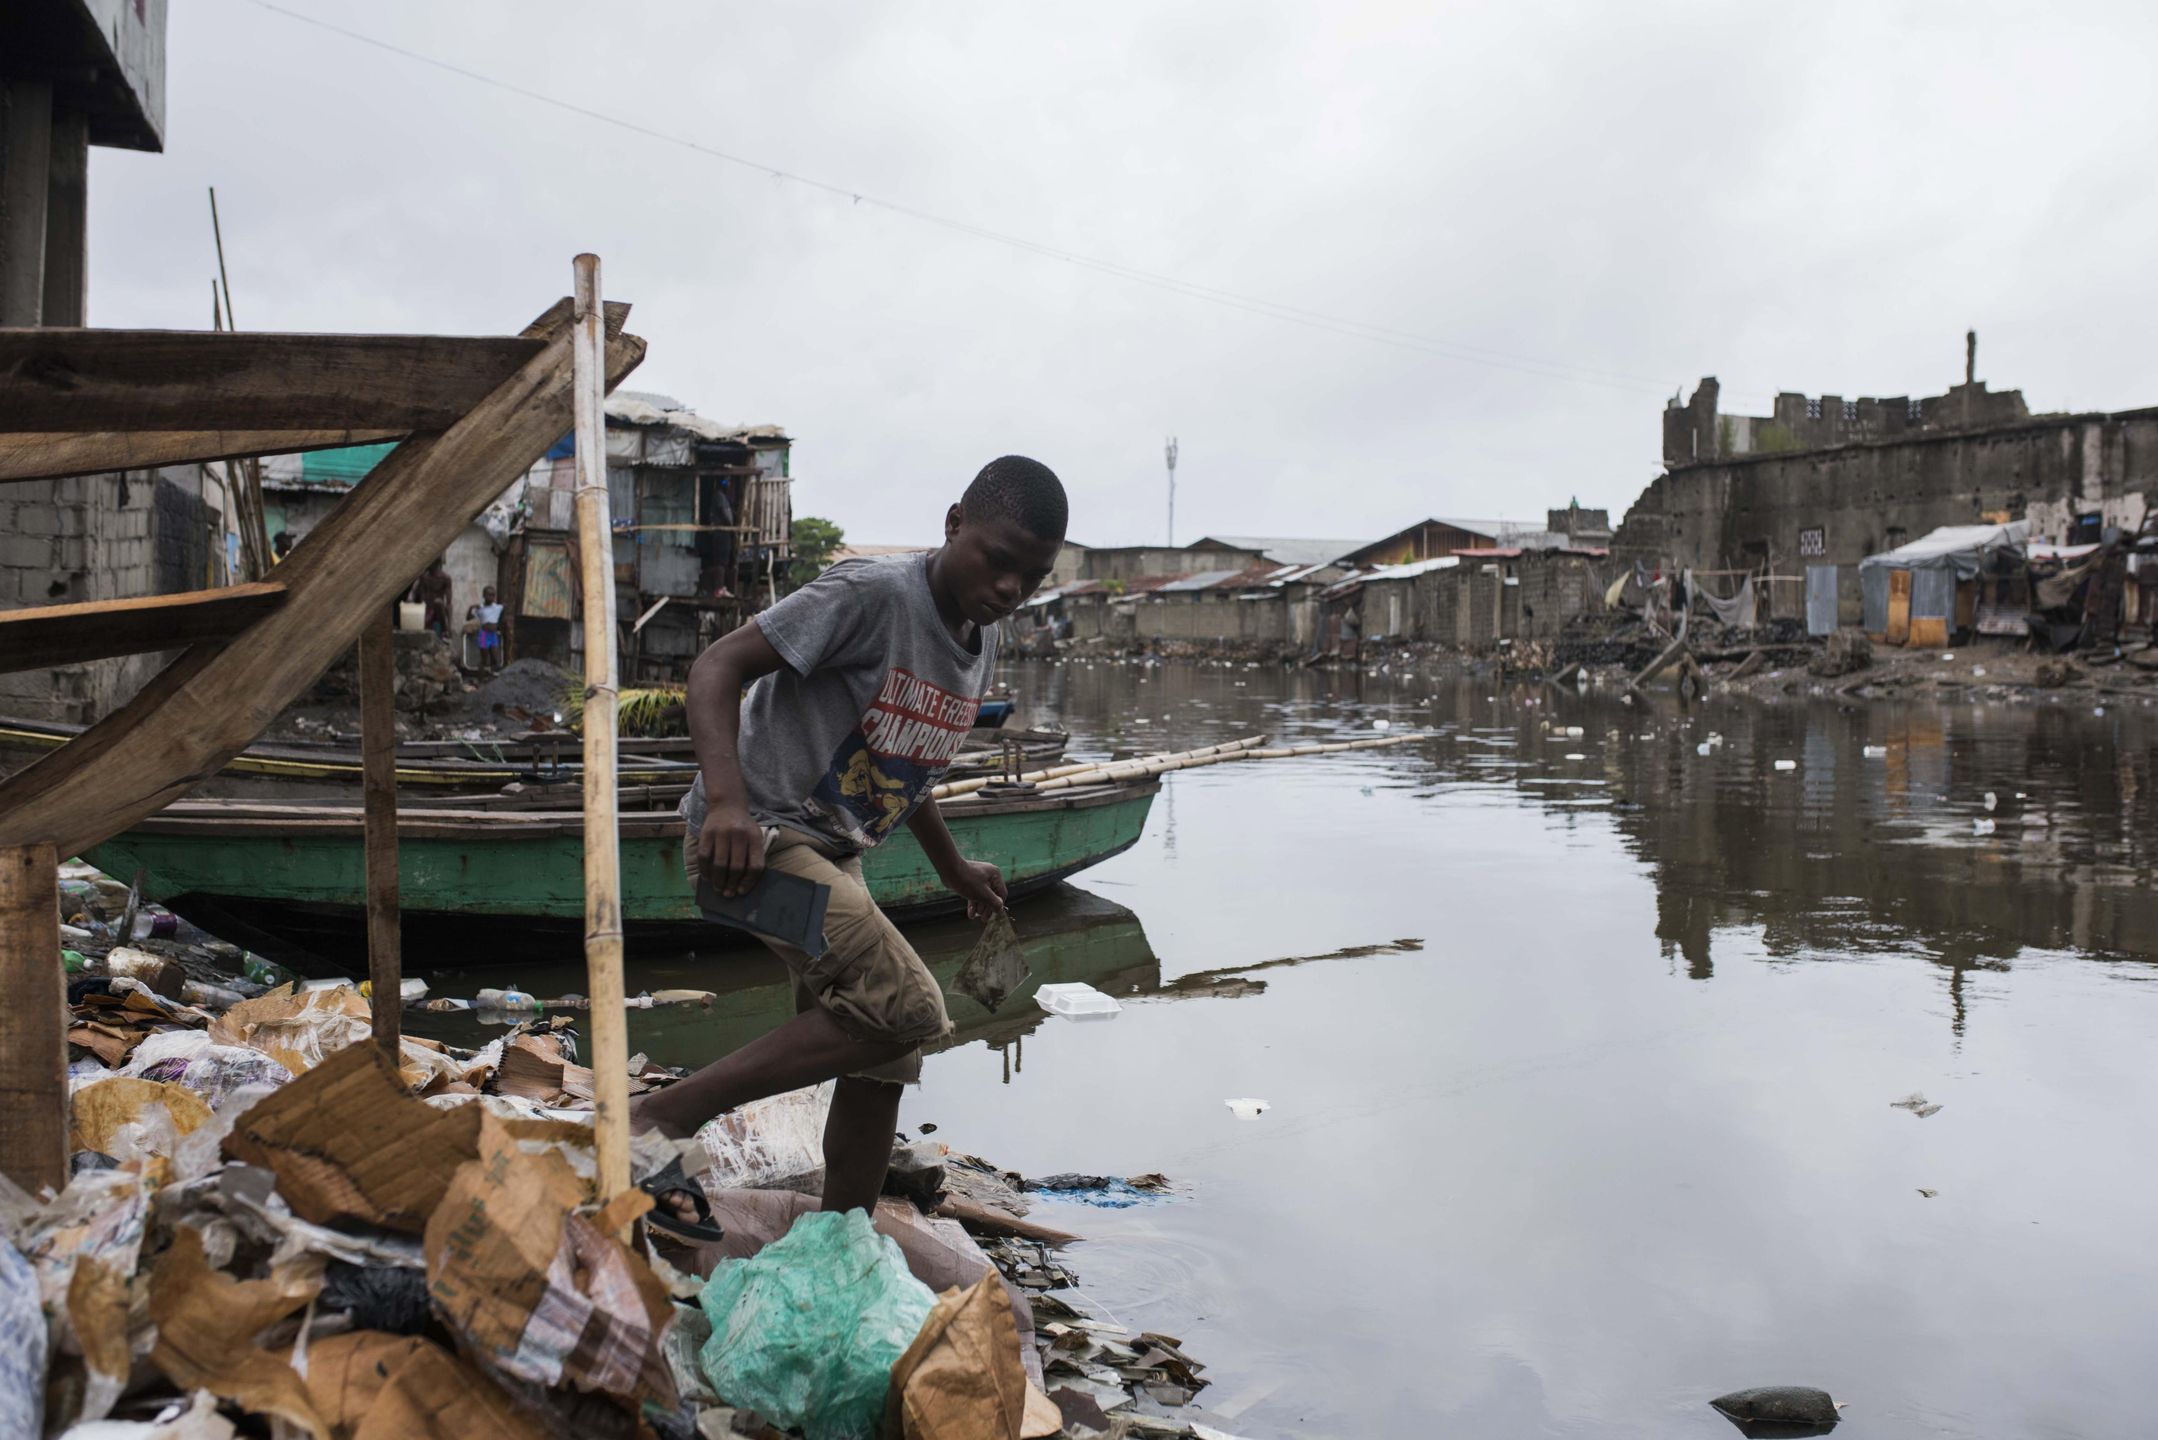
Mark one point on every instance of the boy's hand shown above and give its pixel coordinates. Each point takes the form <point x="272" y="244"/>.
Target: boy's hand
<point x="730" y="849"/>
<point x="981" y="885"/>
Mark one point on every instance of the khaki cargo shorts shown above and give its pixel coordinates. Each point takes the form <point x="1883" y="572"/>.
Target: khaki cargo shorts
<point x="868" y="979"/>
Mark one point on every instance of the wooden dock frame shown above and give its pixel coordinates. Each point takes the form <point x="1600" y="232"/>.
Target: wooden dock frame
<point x="472" y="414"/>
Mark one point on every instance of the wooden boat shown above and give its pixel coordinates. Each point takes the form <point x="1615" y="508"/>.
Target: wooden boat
<point x="329" y="772"/>
<point x="497" y="887"/>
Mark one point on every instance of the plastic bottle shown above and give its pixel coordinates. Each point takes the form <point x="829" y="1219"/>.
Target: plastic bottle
<point x="265" y="972"/>
<point x="155" y="925"/>
<point x="210" y="997"/>
<point x="512" y="999"/>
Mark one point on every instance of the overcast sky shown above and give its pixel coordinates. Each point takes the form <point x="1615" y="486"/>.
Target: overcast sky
<point x="1555" y="215"/>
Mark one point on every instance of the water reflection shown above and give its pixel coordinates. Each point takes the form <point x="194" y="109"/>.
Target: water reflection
<point x="1875" y="843"/>
<point x="1067" y="934"/>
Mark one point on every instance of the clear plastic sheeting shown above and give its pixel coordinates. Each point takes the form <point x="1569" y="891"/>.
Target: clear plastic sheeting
<point x="22" y="1346"/>
<point x="768" y="1142"/>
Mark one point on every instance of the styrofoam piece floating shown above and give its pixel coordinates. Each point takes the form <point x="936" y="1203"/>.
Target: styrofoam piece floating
<point x="1786" y="764"/>
<point x="1876" y="752"/>
<point x="1247" y="1109"/>
<point x="1076" y="1001"/>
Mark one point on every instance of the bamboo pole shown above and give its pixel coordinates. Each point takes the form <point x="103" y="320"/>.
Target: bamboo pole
<point x="378" y="792"/>
<point x="602" y="837"/>
<point x="33" y="1025"/>
<point x="953" y="789"/>
<point x="1142" y="766"/>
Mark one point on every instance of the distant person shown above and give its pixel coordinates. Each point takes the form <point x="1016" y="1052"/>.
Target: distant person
<point x="861" y="687"/>
<point x="280" y="545"/>
<point x="433" y="590"/>
<point x="488" y="616"/>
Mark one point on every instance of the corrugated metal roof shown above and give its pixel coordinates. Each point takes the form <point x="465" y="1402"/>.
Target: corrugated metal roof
<point x="1413" y="568"/>
<point x="643" y="407"/>
<point x="1287" y="550"/>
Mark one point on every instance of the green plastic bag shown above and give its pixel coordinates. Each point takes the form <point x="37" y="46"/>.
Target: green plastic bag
<point x="805" y="1332"/>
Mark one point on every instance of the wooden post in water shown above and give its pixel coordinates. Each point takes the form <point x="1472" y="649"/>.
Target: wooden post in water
<point x="33" y="1024"/>
<point x="602" y="840"/>
<point x="378" y="785"/>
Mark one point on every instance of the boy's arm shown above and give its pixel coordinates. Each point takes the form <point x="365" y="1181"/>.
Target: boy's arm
<point x="730" y="849"/>
<point x="977" y="882"/>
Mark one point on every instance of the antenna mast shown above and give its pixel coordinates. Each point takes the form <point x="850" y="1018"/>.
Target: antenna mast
<point x="1170" y="451"/>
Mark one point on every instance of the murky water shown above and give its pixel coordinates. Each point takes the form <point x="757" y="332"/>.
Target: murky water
<point x="1615" y="1136"/>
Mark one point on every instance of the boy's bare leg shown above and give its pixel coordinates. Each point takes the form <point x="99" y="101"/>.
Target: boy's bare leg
<point x="858" y="1142"/>
<point x="806" y="1050"/>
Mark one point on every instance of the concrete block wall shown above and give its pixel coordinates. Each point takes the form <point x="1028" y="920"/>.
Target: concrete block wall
<point x="1740" y="514"/>
<point x="91" y="537"/>
<point x="1212" y="615"/>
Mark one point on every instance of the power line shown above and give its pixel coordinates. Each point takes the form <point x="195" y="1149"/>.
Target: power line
<point x="1251" y="304"/>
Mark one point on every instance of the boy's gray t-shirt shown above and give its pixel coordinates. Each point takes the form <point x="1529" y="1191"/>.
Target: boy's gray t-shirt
<point x="873" y="705"/>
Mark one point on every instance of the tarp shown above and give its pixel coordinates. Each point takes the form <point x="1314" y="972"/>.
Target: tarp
<point x="1960" y="548"/>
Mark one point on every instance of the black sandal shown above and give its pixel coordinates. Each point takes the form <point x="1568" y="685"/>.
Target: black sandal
<point x="671" y="1180"/>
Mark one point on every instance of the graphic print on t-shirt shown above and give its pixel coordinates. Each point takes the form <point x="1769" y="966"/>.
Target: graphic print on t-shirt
<point x="907" y="738"/>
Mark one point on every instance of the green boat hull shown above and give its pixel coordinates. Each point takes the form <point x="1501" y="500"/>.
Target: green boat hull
<point x="297" y="889"/>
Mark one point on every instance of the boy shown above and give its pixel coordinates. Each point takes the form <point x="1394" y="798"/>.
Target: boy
<point x="862" y="686"/>
<point x="488" y="616"/>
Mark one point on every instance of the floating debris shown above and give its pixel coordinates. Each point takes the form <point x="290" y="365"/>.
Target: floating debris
<point x="995" y="967"/>
<point x="1077" y="1001"/>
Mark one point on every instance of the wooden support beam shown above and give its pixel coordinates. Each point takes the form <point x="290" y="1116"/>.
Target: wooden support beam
<point x="104" y="380"/>
<point x="41" y="635"/>
<point x="205" y="707"/>
<point x="602" y="835"/>
<point x="52" y="455"/>
<point x="378" y="791"/>
<point x="33" y="1020"/>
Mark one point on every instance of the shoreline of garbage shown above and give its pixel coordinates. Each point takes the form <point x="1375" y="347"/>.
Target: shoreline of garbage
<point x="1773" y="665"/>
<point x="269" y="1215"/>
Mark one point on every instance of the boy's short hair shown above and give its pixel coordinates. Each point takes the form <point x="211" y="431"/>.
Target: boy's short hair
<point x="1025" y="492"/>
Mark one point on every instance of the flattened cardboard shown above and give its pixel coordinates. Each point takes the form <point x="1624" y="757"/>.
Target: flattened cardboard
<point x="207" y="1322"/>
<point x="372" y="1386"/>
<point x="347" y="1142"/>
<point x="537" y="1291"/>
<point x="962" y="1379"/>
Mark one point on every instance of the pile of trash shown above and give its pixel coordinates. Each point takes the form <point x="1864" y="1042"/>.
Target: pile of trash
<point x="271" y="1219"/>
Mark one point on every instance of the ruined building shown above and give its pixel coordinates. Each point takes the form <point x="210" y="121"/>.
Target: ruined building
<point x="1828" y="481"/>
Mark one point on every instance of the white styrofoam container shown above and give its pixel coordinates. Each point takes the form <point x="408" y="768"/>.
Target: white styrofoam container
<point x="1076" y="1001"/>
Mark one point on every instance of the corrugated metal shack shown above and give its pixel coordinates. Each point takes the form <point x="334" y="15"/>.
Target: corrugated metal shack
<point x="702" y="519"/>
<point x="1467" y="600"/>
